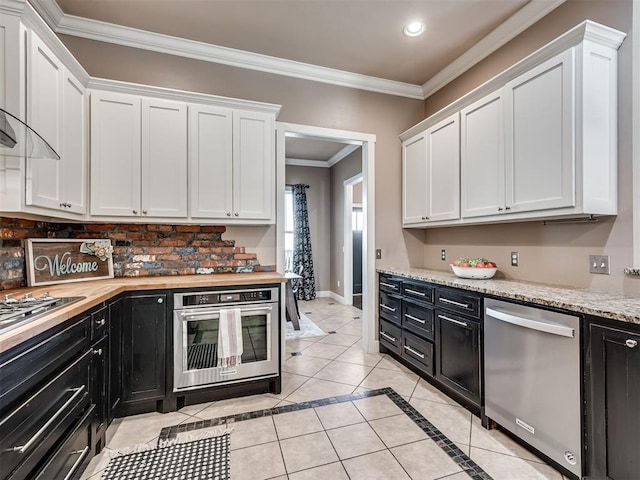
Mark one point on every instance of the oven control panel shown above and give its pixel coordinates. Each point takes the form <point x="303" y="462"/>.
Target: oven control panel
<point x="224" y="297"/>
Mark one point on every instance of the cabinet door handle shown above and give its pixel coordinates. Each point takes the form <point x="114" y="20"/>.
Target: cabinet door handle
<point x="500" y="209"/>
<point x="237" y="214"/>
<point x="631" y="343"/>
<point x="457" y="304"/>
<point x="395" y="287"/>
<point x="388" y="337"/>
<point x="228" y="214"/>
<point x="135" y="212"/>
<point x="83" y="453"/>
<point x="101" y="322"/>
<point x="97" y="352"/>
<point x="387" y="307"/>
<point x="160" y="300"/>
<point x="415" y="352"/>
<point x="415" y="292"/>
<point x="425" y="218"/>
<point x="23" y="448"/>
<point x="457" y="322"/>
<point x="144" y="212"/>
<point x="415" y="319"/>
<point x="507" y="208"/>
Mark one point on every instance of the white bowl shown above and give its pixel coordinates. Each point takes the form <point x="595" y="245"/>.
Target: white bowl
<point x="473" y="272"/>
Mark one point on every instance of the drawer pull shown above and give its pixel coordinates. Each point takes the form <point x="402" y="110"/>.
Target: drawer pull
<point x="457" y="322"/>
<point x="415" y="292"/>
<point x="77" y="463"/>
<point x="387" y="307"/>
<point x="631" y="343"/>
<point x="457" y="304"/>
<point x="388" y="337"/>
<point x="101" y="322"/>
<point x="390" y="285"/>
<point x="23" y="448"/>
<point x="415" y="352"/>
<point x="415" y="319"/>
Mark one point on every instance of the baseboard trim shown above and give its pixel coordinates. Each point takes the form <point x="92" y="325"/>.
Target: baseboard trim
<point x="329" y="294"/>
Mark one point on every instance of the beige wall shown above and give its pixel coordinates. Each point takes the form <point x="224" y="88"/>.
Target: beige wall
<point x="318" y="205"/>
<point x="555" y="254"/>
<point x="348" y="167"/>
<point x="303" y="102"/>
<point x="357" y="193"/>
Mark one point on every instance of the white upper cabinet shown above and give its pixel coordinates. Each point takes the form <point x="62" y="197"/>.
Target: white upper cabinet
<point x="414" y="179"/>
<point x="164" y="158"/>
<point x="232" y="161"/>
<point x="211" y="161"/>
<point x="482" y="157"/>
<point x="431" y="174"/>
<point x="538" y="141"/>
<point x="57" y="111"/>
<point x="115" y="154"/>
<point x="443" y="174"/>
<point x="253" y="165"/>
<point x="540" y="133"/>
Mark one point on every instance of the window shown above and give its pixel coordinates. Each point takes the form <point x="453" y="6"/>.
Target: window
<point x="288" y="230"/>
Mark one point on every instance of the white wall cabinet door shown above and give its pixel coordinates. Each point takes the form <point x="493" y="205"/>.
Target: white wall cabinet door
<point x="540" y="163"/>
<point x="482" y="157"/>
<point x="211" y="162"/>
<point x="115" y="154"/>
<point x="45" y="115"/>
<point x="74" y="145"/>
<point x="443" y="174"/>
<point x="164" y="158"/>
<point x="414" y="180"/>
<point x="253" y="165"/>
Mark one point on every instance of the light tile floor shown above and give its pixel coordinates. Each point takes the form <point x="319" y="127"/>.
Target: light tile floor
<point x="363" y="439"/>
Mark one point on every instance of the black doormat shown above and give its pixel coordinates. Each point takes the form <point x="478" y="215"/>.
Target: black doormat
<point x="205" y="459"/>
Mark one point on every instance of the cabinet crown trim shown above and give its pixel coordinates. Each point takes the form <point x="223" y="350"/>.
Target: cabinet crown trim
<point x="181" y="95"/>
<point x="587" y="30"/>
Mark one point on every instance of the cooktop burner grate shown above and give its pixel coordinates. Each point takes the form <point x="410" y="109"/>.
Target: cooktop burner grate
<point x="15" y="312"/>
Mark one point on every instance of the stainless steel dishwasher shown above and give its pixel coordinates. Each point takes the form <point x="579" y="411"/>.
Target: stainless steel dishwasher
<point x="532" y="378"/>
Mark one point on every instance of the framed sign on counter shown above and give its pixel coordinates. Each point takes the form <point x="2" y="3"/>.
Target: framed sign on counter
<point x="51" y="261"/>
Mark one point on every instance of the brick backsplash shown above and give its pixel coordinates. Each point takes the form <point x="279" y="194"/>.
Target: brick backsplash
<point x="139" y="249"/>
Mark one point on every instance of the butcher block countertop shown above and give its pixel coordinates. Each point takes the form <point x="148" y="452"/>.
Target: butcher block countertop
<point x="613" y="305"/>
<point x="98" y="291"/>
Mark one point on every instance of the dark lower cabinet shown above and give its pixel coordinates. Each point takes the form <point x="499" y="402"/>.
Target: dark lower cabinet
<point x="100" y="389"/>
<point x="144" y="349"/>
<point x="613" y="403"/>
<point x="458" y="353"/>
<point x="116" y="310"/>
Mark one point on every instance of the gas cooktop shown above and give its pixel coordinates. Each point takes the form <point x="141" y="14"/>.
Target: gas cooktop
<point x="15" y="312"/>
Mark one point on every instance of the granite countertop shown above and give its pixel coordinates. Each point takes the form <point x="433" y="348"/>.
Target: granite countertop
<point x="98" y="291"/>
<point x="613" y="305"/>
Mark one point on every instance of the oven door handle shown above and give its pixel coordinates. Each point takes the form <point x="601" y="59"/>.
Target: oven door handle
<point x="187" y="313"/>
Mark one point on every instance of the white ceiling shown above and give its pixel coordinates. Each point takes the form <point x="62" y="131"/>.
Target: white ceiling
<point x="356" y="43"/>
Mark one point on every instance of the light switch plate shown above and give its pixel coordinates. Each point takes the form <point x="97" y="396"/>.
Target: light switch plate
<point x="378" y="254"/>
<point x="599" y="264"/>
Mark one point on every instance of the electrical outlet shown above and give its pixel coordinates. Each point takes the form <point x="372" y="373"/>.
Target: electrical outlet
<point x="443" y="254"/>
<point x="599" y="264"/>
<point x="378" y="254"/>
<point x="515" y="259"/>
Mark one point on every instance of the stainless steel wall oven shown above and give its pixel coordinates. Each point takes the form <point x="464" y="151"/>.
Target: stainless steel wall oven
<point x="196" y="320"/>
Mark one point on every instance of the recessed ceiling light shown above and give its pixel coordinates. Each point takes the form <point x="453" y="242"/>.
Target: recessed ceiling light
<point x="414" y="29"/>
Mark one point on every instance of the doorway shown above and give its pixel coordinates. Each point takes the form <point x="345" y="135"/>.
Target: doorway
<point x="353" y="240"/>
<point x="367" y="143"/>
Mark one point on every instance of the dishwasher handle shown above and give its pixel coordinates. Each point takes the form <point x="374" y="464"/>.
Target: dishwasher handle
<point x="541" y="326"/>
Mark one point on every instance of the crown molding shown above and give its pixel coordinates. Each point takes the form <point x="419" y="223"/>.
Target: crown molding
<point x="509" y="29"/>
<point x="344" y="152"/>
<point x="301" y="162"/>
<point x="181" y="95"/>
<point x="140" y="39"/>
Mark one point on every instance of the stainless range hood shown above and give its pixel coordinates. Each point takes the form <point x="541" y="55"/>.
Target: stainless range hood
<point x="17" y="139"/>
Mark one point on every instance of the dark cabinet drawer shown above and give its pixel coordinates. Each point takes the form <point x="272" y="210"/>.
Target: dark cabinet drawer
<point x="37" y="425"/>
<point x="23" y="370"/>
<point x="391" y="336"/>
<point x="458" y="301"/>
<point x="99" y="322"/>
<point x="418" y="291"/>
<point x="418" y="352"/>
<point x="418" y="319"/>
<point x="390" y="308"/>
<point x="390" y="284"/>
<point x="72" y="457"/>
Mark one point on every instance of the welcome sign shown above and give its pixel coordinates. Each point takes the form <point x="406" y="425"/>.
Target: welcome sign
<point x="52" y="261"/>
